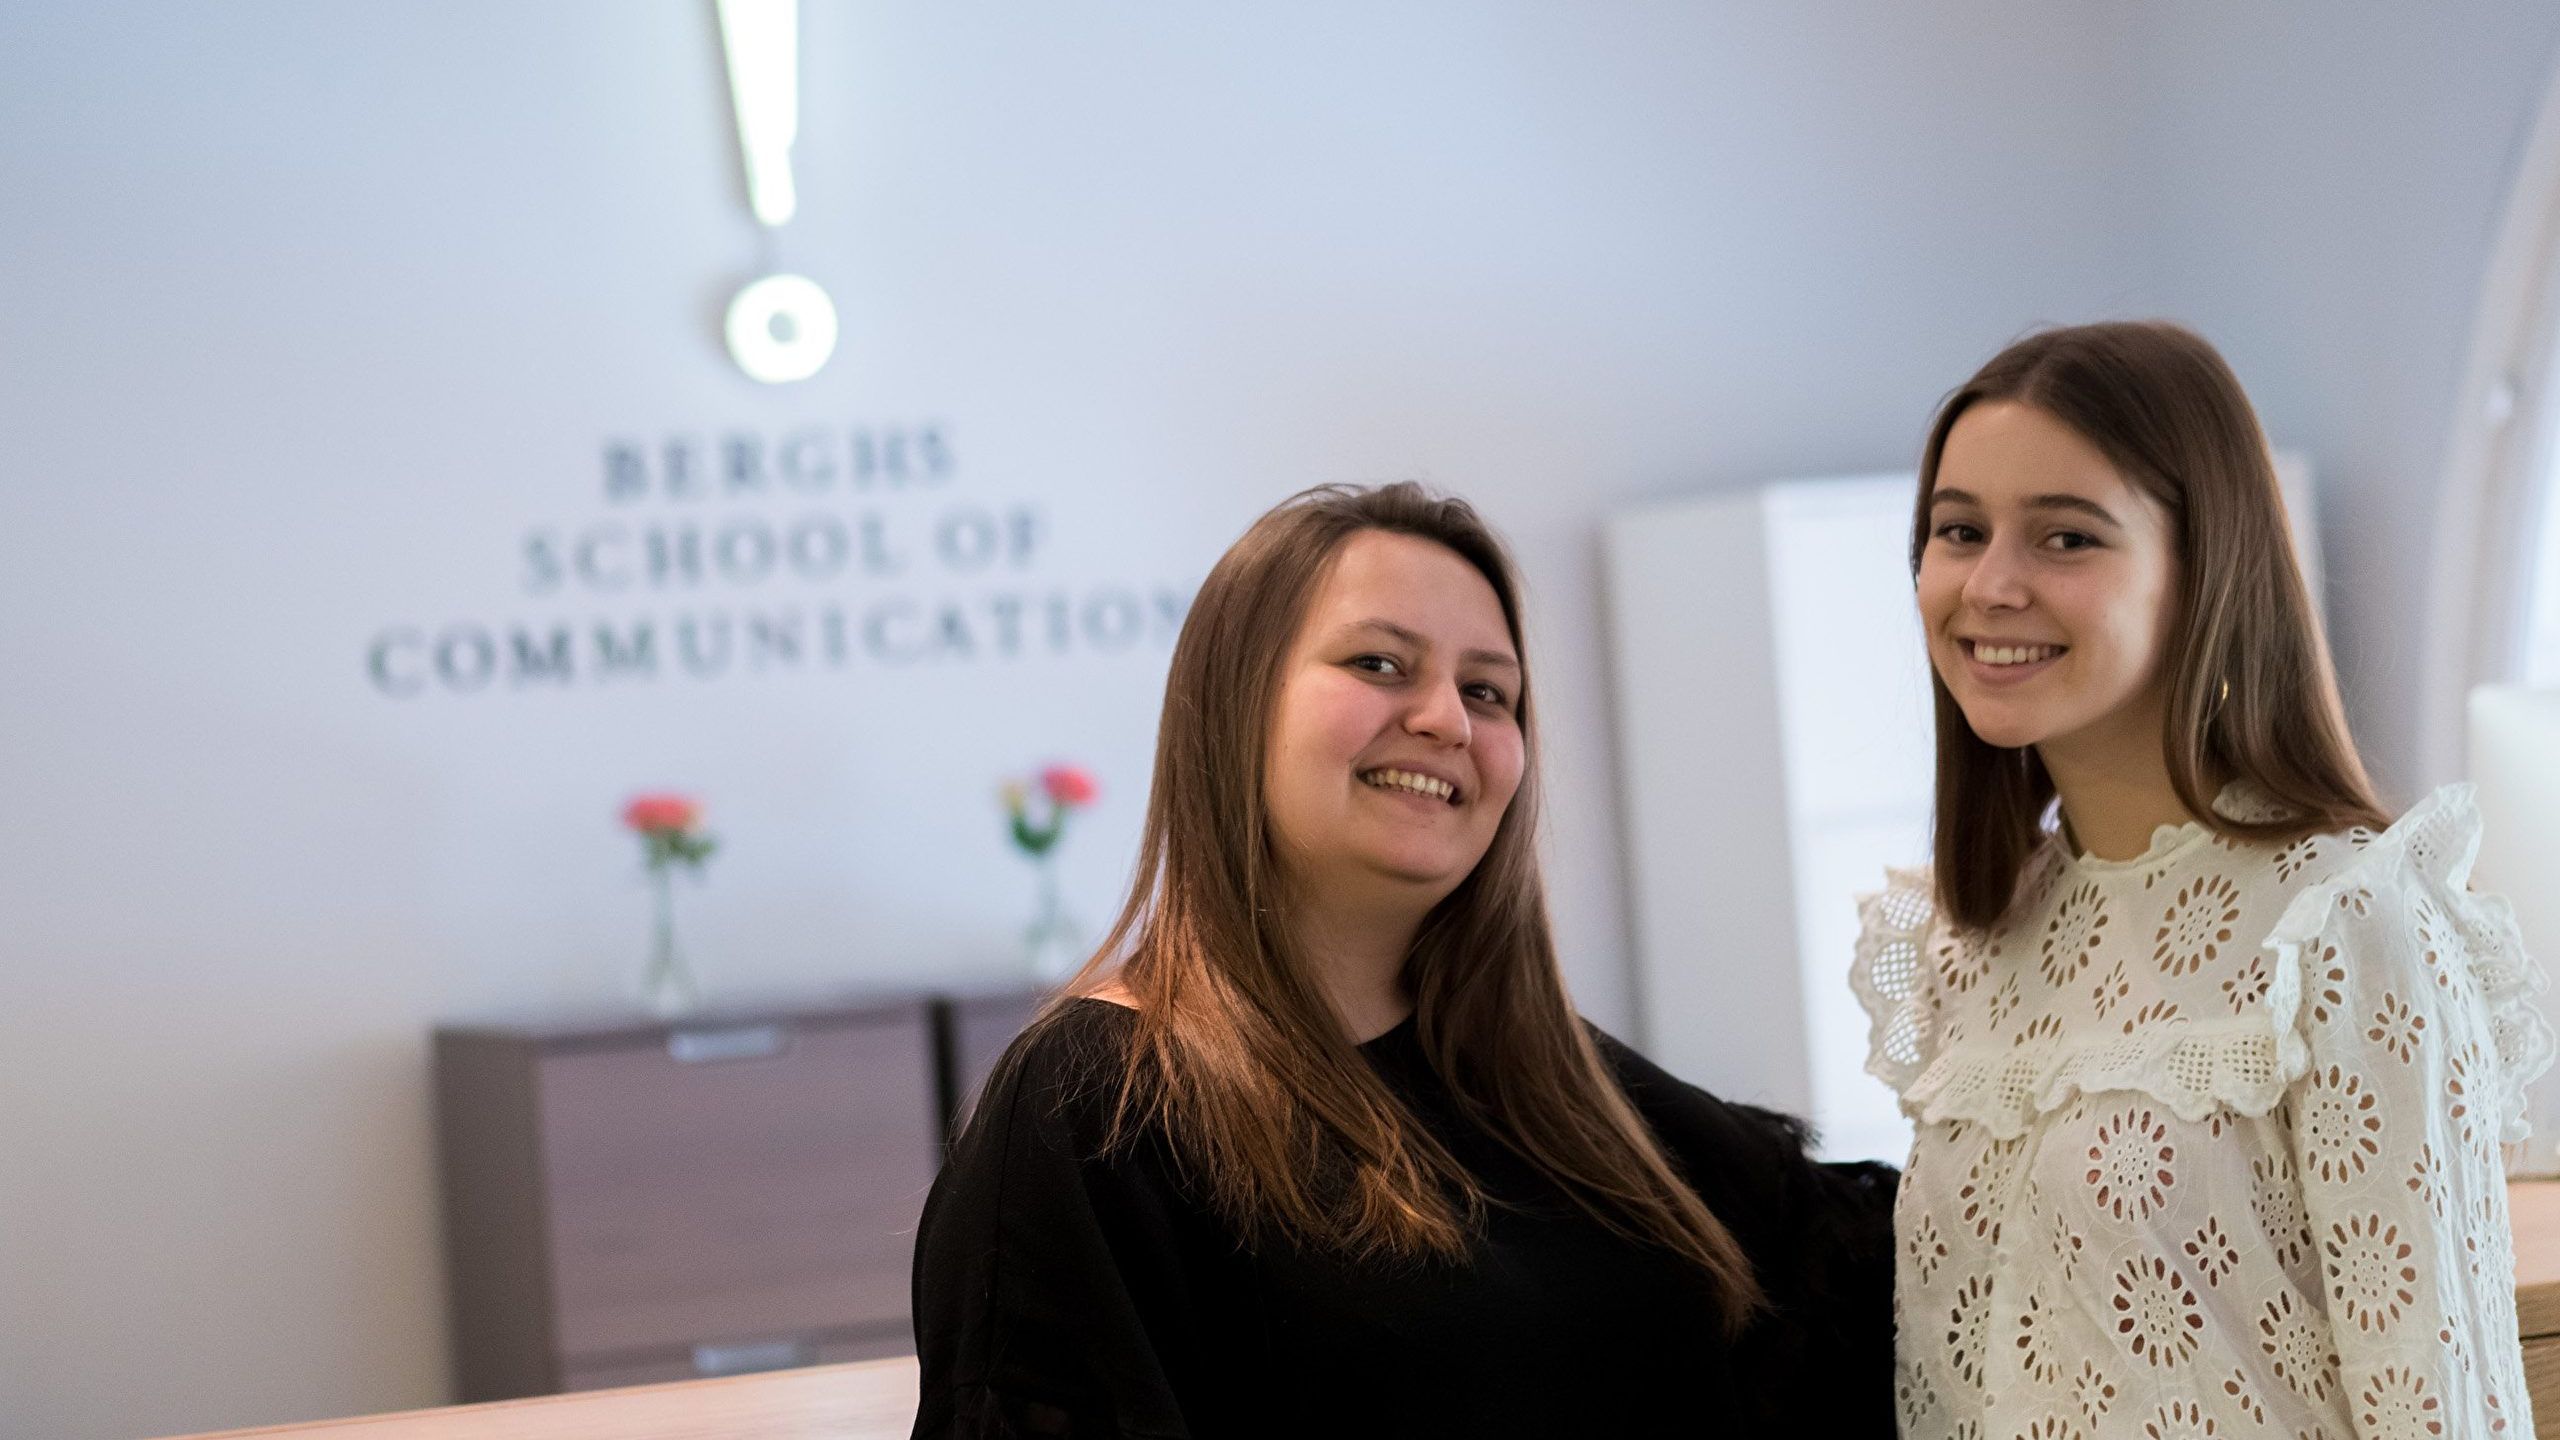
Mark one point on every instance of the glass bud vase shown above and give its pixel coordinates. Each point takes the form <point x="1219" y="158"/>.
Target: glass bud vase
<point x="1052" y="944"/>
<point x="666" y="986"/>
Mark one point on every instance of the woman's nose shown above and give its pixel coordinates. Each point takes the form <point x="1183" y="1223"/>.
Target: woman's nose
<point x="1997" y="581"/>
<point x="1440" y="713"/>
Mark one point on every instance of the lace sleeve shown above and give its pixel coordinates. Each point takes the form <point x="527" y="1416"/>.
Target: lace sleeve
<point x="1891" y="978"/>
<point x="2416" y="1033"/>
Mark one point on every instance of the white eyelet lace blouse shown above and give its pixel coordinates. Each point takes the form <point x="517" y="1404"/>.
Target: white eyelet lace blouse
<point x="2208" y="1141"/>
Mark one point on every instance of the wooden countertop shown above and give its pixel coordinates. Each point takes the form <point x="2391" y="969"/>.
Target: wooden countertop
<point x="2533" y="1207"/>
<point x="866" y="1400"/>
<point x="876" y="1399"/>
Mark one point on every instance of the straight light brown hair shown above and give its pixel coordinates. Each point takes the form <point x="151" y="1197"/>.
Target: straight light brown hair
<point x="2251" y="694"/>
<point x="1238" y="1057"/>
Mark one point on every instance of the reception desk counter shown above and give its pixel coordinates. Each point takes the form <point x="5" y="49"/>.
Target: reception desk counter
<point x="865" y="1400"/>
<point x="876" y="1399"/>
<point x="2534" y="1206"/>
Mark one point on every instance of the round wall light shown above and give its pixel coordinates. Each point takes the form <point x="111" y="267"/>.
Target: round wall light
<point x="782" y="328"/>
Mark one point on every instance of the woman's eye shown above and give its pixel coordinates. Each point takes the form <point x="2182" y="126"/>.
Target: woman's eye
<point x="1489" y="694"/>
<point x="1377" y="664"/>
<point x="2070" y="540"/>
<point x="1959" y="533"/>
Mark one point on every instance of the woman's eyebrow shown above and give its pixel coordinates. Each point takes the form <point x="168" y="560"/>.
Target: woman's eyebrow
<point x="2054" y="501"/>
<point x="1473" y="657"/>
<point x="2077" y="505"/>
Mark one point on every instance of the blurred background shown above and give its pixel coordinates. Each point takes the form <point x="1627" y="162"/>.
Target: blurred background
<point x="380" y="507"/>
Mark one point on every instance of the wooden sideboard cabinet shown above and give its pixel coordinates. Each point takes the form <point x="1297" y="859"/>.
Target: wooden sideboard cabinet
<point x="2533" y="1209"/>
<point x="628" y="1201"/>
<point x="975" y="1029"/>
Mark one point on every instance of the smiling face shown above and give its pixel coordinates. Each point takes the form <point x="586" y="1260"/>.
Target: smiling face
<point x="1395" y="743"/>
<point x="2046" y="587"/>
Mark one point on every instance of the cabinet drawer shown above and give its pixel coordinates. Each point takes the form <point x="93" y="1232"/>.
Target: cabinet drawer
<point x="748" y="1180"/>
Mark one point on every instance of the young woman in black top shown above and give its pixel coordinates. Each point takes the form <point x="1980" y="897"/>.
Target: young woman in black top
<point x="1316" y="1144"/>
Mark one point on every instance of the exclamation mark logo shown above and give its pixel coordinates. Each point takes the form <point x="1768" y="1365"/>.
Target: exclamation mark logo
<point x="781" y="327"/>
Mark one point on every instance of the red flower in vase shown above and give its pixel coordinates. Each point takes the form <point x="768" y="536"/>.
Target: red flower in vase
<point x="669" y="827"/>
<point x="1070" y="787"/>
<point x="1038" y="811"/>
<point x="659" y="813"/>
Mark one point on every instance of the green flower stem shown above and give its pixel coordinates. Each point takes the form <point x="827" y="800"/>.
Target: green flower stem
<point x="662" y="957"/>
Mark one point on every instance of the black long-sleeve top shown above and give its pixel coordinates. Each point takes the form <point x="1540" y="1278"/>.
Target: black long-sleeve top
<point x="1063" y="1288"/>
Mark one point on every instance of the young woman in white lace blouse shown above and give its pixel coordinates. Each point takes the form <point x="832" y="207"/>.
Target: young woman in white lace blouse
<point x="2210" y="1061"/>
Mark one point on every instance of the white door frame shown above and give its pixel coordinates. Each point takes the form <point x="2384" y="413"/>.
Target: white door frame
<point x="2506" y="420"/>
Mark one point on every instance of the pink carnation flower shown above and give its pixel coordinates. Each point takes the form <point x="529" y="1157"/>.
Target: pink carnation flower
<point x="661" y="813"/>
<point x="1069" y="786"/>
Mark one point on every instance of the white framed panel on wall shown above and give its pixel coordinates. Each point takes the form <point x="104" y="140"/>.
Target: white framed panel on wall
<point x="1773" y="732"/>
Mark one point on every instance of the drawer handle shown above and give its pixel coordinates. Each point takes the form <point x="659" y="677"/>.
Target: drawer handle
<point x="753" y="1355"/>
<point x="737" y="1042"/>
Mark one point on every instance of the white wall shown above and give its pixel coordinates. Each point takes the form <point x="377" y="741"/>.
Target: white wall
<point x="313" y="312"/>
<point x="2322" y="184"/>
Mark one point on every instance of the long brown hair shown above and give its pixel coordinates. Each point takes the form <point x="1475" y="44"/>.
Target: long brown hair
<point x="2251" y="695"/>
<point x="1239" y="1058"/>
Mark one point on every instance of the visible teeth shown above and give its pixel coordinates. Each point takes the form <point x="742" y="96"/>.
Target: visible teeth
<point x="2014" y="654"/>
<point x="1407" y="780"/>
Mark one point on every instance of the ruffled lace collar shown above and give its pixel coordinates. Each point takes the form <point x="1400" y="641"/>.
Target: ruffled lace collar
<point x="2239" y="800"/>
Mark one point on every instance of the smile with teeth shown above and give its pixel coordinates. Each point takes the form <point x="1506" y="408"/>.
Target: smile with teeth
<point x="1408" y="781"/>
<point x="2012" y="654"/>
